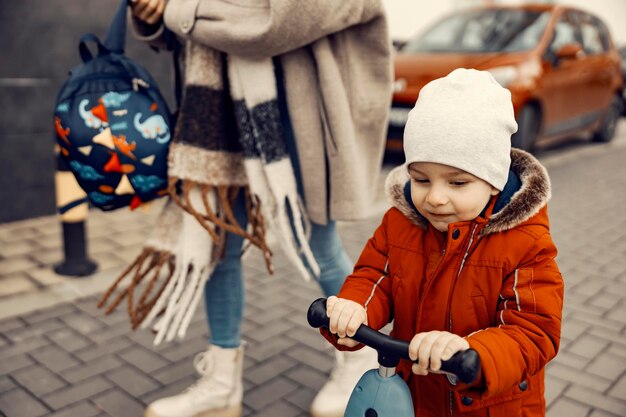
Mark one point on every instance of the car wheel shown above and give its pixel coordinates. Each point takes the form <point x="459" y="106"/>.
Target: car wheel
<point x="606" y="131"/>
<point x="527" y="128"/>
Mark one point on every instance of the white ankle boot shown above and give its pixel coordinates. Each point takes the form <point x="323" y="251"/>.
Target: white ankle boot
<point x="333" y="398"/>
<point x="218" y="392"/>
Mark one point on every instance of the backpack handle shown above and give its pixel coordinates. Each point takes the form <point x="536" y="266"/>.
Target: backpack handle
<point x="115" y="40"/>
<point x="83" y="49"/>
<point x="116" y="35"/>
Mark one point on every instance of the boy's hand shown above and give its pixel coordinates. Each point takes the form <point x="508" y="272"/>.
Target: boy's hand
<point x="345" y="318"/>
<point x="433" y="347"/>
<point x="148" y="11"/>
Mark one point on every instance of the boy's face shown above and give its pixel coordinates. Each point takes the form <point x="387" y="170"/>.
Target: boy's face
<point x="445" y="195"/>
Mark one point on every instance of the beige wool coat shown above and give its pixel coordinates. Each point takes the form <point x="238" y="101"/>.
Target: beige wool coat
<point x="336" y="59"/>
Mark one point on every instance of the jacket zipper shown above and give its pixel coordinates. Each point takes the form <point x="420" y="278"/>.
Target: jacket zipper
<point x="136" y="82"/>
<point x="458" y="274"/>
<point x="469" y="245"/>
<point x="100" y="77"/>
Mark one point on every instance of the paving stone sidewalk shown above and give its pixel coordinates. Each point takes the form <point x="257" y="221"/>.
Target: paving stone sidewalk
<point x="60" y="357"/>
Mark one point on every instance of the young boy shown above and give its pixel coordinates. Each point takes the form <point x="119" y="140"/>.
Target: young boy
<point x="464" y="258"/>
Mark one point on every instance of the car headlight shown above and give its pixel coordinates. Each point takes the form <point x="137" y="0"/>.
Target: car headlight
<point x="504" y="75"/>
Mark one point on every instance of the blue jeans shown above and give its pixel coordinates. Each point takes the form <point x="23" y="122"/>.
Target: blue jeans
<point x="224" y="292"/>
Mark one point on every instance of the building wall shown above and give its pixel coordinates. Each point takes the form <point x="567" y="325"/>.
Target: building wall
<point x="38" y="45"/>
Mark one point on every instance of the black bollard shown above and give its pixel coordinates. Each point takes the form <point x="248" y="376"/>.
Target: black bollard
<point x="72" y="206"/>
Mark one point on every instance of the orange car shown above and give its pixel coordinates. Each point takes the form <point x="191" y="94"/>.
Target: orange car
<point x="559" y="63"/>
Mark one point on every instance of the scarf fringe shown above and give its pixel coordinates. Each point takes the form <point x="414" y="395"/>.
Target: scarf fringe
<point x="185" y="288"/>
<point x="215" y="224"/>
<point x="274" y="184"/>
<point x="150" y="261"/>
<point x="303" y="231"/>
<point x="179" y="290"/>
<point x="294" y="240"/>
<point x="195" y="259"/>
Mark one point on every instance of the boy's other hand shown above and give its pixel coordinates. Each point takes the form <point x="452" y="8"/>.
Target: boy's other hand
<point x="148" y="11"/>
<point x="345" y="318"/>
<point x="430" y="348"/>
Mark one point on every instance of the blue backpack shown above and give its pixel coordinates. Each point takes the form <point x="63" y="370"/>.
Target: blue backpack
<point x="113" y="125"/>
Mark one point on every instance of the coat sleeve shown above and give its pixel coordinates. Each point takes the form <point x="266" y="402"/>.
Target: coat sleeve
<point x="271" y="29"/>
<point x="155" y="35"/>
<point x="529" y="321"/>
<point x="369" y="284"/>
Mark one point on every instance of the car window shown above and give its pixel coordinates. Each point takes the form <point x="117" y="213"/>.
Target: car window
<point x="490" y="30"/>
<point x="603" y="32"/>
<point x="592" y="42"/>
<point x="594" y="36"/>
<point x="564" y="33"/>
<point x="529" y="37"/>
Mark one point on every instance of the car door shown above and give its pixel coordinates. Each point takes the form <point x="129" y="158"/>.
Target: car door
<point x="599" y="66"/>
<point x="563" y="82"/>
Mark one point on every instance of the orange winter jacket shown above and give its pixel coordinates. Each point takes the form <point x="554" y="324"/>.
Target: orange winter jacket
<point x="492" y="280"/>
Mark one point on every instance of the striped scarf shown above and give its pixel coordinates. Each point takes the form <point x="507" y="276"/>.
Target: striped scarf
<point x="228" y="139"/>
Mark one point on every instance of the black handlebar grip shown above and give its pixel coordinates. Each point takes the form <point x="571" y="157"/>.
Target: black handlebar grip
<point x="316" y="316"/>
<point x="464" y="365"/>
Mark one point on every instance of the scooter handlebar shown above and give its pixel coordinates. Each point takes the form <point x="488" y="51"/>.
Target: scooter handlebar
<point x="465" y="365"/>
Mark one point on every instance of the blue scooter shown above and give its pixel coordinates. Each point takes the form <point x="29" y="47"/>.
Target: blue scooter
<point x="381" y="392"/>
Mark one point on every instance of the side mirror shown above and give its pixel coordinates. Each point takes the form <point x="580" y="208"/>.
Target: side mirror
<point x="569" y="51"/>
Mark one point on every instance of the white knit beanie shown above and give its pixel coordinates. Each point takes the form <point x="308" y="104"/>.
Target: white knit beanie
<point x="464" y="120"/>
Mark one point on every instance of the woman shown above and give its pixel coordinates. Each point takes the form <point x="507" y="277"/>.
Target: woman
<point x="316" y="117"/>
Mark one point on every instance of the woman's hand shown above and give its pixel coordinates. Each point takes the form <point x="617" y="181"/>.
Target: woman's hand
<point x="148" y="11"/>
<point x="345" y="318"/>
<point x="433" y="347"/>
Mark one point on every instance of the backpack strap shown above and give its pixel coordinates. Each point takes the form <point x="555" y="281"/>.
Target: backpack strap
<point x="64" y="209"/>
<point x="178" y="78"/>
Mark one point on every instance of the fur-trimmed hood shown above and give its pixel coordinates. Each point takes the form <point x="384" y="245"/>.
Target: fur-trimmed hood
<point x="524" y="195"/>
